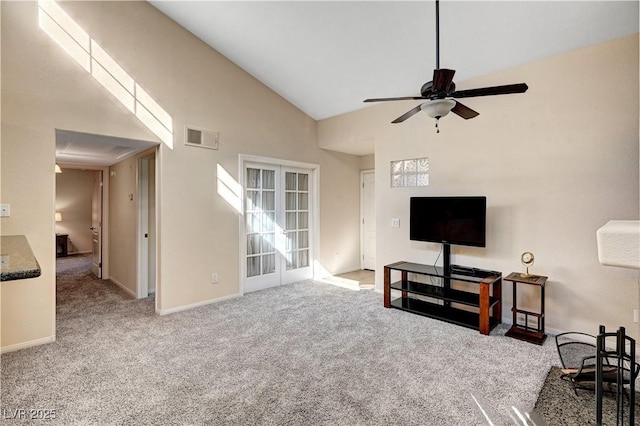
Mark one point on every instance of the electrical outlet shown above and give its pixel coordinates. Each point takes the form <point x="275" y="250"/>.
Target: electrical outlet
<point x="635" y="315"/>
<point x="5" y="210"/>
<point x="4" y="260"/>
<point x="214" y="278"/>
<point x="395" y="222"/>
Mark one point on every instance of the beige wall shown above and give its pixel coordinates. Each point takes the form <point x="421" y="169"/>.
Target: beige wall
<point x="74" y="191"/>
<point x="555" y="164"/>
<point x="367" y="162"/>
<point x="43" y="90"/>
<point x="199" y="87"/>
<point x="123" y="218"/>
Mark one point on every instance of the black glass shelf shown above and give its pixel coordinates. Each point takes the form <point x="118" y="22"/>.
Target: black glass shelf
<point x="442" y="293"/>
<point x="440" y="312"/>
<point x="456" y="272"/>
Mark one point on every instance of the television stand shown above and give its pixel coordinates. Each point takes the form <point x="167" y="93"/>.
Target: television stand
<point x="480" y="310"/>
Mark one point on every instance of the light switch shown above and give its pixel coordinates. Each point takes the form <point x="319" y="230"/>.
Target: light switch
<point x="395" y="222"/>
<point x="5" y="210"/>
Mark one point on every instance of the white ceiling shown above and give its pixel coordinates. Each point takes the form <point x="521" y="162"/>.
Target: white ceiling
<point x="95" y="150"/>
<point x="326" y="57"/>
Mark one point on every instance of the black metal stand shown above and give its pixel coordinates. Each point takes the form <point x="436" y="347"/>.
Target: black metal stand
<point x="446" y="267"/>
<point x="626" y="371"/>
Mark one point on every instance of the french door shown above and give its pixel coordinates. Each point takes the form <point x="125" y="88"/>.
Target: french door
<point x="278" y="229"/>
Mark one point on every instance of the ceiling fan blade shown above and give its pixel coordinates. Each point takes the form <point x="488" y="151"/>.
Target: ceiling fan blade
<point x="405" y="98"/>
<point x="464" y="111"/>
<point x="490" y="91"/>
<point x="407" y="114"/>
<point x="442" y="79"/>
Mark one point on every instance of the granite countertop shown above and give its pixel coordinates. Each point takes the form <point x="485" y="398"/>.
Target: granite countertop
<point x="17" y="259"/>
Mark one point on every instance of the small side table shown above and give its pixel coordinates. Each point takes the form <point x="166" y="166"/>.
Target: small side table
<point x="62" y="241"/>
<point x="522" y="330"/>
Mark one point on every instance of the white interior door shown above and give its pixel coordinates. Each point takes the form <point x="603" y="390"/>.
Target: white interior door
<point x="278" y="215"/>
<point x="368" y="220"/>
<point x="96" y="226"/>
<point x="146" y="227"/>
<point x="151" y="225"/>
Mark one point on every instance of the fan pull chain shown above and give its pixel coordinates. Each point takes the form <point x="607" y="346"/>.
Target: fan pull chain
<point x="437" y="128"/>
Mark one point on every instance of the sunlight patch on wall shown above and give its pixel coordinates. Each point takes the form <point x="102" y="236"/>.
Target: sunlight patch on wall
<point x="229" y="189"/>
<point x="64" y="31"/>
<point x="88" y="53"/>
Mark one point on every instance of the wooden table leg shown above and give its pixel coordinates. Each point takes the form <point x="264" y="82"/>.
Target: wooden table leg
<point x="387" y="287"/>
<point x="484" y="308"/>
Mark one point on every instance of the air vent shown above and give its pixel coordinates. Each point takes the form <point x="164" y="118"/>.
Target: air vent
<point x="201" y="138"/>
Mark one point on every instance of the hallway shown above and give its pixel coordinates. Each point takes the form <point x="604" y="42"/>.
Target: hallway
<point x="79" y="294"/>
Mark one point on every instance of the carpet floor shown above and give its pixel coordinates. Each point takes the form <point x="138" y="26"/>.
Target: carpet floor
<point x="559" y="405"/>
<point x="303" y="353"/>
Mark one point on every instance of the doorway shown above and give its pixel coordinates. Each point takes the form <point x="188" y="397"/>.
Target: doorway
<point x="279" y="230"/>
<point x="368" y="219"/>
<point x="80" y="214"/>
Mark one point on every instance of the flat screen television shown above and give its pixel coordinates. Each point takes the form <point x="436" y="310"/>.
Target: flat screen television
<point x="449" y="220"/>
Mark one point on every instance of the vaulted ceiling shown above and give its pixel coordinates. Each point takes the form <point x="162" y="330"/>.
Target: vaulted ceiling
<point x="326" y="57"/>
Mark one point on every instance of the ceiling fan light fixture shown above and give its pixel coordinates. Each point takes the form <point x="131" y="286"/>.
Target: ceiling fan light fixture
<point x="438" y="108"/>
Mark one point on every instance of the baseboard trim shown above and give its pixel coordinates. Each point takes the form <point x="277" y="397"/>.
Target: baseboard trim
<point x="29" y="344"/>
<point x="337" y="283"/>
<point x="345" y="270"/>
<point x="76" y="253"/>
<point x="196" y="305"/>
<point x="124" y="287"/>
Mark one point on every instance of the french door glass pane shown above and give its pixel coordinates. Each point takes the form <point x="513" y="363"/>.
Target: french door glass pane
<point x="290" y="181"/>
<point x="290" y="201"/>
<point x="268" y="179"/>
<point x="303" y="201"/>
<point x="290" y="221"/>
<point x="269" y="200"/>
<point x="253" y="178"/>
<point x="303" y="239"/>
<point x="292" y="241"/>
<point x="303" y="182"/>
<point x="268" y="263"/>
<point x="303" y="220"/>
<point x="253" y="266"/>
<point x="253" y="244"/>
<point x="268" y="222"/>
<point x="292" y="260"/>
<point x="253" y="222"/>
<point x="268" y="243"/>
<point x="303" y="258"/>
<point x="253" y="200"/>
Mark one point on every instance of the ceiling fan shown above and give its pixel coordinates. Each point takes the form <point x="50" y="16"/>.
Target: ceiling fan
<point x="441" y="91"/>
